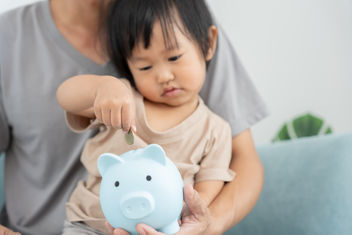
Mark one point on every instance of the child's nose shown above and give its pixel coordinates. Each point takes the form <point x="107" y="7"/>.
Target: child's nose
<point x="165" y="75"/>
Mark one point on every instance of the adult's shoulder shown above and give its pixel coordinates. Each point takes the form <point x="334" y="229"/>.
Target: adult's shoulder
<point x="18" y="26"/>
<point x="14" y="21"/>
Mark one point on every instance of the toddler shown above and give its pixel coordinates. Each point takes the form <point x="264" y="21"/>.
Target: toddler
<point x="161" y="48"/>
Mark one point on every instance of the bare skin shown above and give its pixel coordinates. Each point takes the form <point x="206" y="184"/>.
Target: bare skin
<point x="6" y="231"/>
<point x="79" y="22"/>
<point x="238" y="197"/>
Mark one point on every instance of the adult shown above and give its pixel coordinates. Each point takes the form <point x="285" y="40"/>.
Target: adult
<point x="44" y="43"/>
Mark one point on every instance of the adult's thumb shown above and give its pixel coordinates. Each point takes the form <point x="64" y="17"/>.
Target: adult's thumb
<point x="194" y="202"/>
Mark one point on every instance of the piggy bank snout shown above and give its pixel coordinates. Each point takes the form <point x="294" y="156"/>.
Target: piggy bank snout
<point x="137" y="205"/>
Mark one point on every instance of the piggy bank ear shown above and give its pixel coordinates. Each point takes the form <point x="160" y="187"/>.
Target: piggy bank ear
<point x="106" y="160"/>
<point x="156" y="153"/>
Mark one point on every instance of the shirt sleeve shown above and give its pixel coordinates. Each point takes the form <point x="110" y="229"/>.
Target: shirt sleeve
<point x="4" y="127"/>
<point x="80" y="124"/>
<point x="228" y="90"/>
<point x="216" y="161"/>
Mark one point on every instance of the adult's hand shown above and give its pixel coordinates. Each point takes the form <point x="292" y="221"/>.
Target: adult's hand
<point x="6" y="231"/>
<point x="195" y="217"/>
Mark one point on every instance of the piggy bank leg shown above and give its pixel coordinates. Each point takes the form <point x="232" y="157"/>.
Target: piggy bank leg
<point x="171" y="228"/>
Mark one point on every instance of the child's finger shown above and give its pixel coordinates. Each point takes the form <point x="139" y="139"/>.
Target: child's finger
<point x="133" y="125"/>
<point x="106" y="116"/>
<point x="116" y="117"/>
<point x="126" y="116"/>
<point x="97" y="112"/>
<point x="133" y="119"/>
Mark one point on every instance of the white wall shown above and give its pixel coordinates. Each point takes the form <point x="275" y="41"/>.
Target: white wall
<point x="298" y="53"/>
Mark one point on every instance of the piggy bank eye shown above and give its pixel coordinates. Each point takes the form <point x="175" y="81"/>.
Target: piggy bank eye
<point x="117" y="183"/>
<point x="149" y="178"/>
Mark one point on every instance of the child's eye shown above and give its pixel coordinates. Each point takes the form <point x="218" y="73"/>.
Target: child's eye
<point x="174" y="58"/>
<point x="145" y="68"/>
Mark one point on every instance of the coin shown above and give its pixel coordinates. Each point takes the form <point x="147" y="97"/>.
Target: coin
<point x="129" y="137"/>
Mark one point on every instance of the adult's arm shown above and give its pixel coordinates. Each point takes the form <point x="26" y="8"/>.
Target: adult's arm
<point x="229" y="92"/>
<point x="239" y="196"/>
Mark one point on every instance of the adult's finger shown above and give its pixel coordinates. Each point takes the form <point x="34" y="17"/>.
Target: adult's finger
<point x="147" y="230"/>
<point x="195" y="215"/>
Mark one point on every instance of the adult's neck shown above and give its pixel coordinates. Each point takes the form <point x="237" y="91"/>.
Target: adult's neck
<point x="85" y="15"/>
<point x="80" y="22"/>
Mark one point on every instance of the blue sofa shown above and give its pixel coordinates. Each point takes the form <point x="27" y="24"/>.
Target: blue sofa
<point x="307" y="190"/>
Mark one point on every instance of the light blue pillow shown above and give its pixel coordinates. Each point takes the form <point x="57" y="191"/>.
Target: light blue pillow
<point x="307" y="190"/>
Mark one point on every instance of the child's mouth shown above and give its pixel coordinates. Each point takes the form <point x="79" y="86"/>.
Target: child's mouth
<point x="171" y="91"/>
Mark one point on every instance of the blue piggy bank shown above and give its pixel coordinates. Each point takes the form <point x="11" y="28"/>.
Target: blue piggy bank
<point x="141" y="186"/>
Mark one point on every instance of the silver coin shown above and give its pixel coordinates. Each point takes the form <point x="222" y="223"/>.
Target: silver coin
<point x="129" y="137"/>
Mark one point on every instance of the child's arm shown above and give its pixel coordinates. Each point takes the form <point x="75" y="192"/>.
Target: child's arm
<point x="214" y="166"/>
<point x="208" y="190"/>
<point x="103" y="97"/>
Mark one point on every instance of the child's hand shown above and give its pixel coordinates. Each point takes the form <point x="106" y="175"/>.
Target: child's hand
<point x="114" y="105"/>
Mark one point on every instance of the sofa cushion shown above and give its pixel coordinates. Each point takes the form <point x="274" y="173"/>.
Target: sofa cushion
<point x="307" y="189"/>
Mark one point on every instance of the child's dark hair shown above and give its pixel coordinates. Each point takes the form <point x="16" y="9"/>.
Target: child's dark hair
<point x="130" y="21"/>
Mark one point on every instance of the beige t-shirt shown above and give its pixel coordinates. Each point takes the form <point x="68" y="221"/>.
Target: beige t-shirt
<point x="200" y="147"/>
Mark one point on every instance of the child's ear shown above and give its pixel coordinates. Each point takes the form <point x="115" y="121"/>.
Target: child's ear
<point x="213" y="36"/>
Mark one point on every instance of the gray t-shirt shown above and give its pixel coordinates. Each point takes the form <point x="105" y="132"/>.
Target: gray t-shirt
<point x="42" y="154"/>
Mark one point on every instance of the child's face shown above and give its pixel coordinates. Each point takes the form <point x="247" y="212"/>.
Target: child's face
<point x="169" y="76"/>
